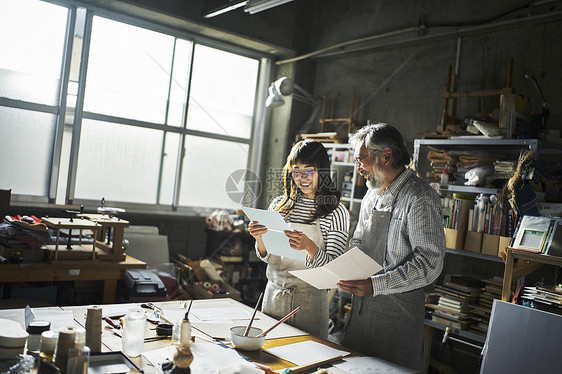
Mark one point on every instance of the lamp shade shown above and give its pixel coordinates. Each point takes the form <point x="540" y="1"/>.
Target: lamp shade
<point x="274" y="99"/>
<point x="284" y="86"/>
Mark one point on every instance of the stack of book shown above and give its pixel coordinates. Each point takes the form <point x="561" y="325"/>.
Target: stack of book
<point x="456" y="296"/>
<point x="544" y="297"/>
<point x="480" y="312"/>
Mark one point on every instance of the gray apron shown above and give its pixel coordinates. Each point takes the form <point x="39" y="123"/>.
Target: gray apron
<point x="389" y="327"/>
<point x="284" y="292"/>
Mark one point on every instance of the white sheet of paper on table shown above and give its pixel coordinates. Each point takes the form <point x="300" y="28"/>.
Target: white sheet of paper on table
<point x="204" y="357"/>
<point x="113" y="310"/>
<point x="58" y="318"/>
<point x="352" y="265"/>
<point x="275" y="241"/>
<point x="368" y="365"/>
<point x="306" y="352"/>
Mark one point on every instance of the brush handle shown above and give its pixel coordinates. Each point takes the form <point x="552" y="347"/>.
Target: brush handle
<point x="279" y="322"/>
<point x="253" y="315"/>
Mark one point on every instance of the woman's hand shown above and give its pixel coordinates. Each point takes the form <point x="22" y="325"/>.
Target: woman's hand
<point x="299" y="241"/>
<point x="256" y="230"/>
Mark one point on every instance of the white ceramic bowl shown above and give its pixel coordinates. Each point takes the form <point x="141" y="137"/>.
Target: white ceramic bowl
<point x="12" y="338"/>
<point x="246" y="343"/>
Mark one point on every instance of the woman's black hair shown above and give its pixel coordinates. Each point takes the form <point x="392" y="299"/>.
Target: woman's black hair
<point x="327" y="196"/>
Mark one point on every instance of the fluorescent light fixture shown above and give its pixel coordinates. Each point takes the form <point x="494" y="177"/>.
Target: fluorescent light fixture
<point x="231" y="5"/>
<point x="255" y="6"/>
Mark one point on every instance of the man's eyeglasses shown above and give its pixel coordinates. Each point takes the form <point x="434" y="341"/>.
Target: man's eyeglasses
<point x="305" y="173"/>
<point x="359" y="160"/>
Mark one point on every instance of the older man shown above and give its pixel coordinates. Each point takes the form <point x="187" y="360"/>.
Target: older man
<point x="401" y="227"/>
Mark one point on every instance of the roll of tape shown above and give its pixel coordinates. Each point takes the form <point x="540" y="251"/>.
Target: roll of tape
<point x="215" y="287"/>
<point x="207" y="285"/>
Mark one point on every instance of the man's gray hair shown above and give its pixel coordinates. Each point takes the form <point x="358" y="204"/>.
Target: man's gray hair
<point x="378" y="136"/>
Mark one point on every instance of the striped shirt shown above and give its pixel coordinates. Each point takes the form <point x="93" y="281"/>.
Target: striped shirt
<point x="334" y="227"/>
<point x="415" y="246"/>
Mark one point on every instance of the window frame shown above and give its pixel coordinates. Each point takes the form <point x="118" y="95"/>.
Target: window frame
<point x="255" y="141"/>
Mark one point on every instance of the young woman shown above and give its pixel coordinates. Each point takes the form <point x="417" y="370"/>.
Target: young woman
<point x="310" y="204"/>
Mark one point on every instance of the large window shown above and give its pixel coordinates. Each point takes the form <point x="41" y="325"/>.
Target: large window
<point x="127" y="111"/>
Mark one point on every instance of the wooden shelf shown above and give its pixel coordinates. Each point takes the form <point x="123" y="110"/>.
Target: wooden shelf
<point x="458" y="332"/>
<point x="512" y="254"/>
<point x="480" y="256"/>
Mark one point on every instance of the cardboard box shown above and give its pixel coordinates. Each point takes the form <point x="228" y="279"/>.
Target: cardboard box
<point x="490" y="244"/>
<point x="473" y="241"/>
<point x="503" y="243"/>
<point x="455" y="238"/>
<point x="201" y="292"/>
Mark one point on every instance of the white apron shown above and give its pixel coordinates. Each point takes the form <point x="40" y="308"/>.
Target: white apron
<point x="284" y="292"/>
<point x="389" y="327"/>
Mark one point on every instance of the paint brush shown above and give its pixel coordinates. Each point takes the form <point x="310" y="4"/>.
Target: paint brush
<point x="253" y="315"/>
<point x="279" y="322"/>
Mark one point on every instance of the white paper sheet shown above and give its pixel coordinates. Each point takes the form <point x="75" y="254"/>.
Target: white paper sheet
<point x="304" y="353"/>
<point x="352" y="265"/>
<point x="276" y="242"/>
<point x="114" y="310"/>
<point x="58" y="317"/>
<point x="205" y="357"/>
<point x="369" y="365"/>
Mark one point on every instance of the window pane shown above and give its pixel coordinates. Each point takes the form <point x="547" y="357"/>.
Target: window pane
<point x="169" y="167"/>
<point x="208" y="164"/>
<point x="128" y="71"/>
<point x="178" y="92"/>
<point x="31" y="45"/>
<point x="223" y="88"/>
<point x="120" y="163"/>
<point x="26" y="151"/>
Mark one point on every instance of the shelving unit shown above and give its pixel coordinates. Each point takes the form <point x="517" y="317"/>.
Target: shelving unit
<point x="525" y="256"/>
<point x="342" y="162"/>
<point x="456" y="259"/>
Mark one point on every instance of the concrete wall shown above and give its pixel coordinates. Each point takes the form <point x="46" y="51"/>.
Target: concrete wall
<point x="412" y="100"/>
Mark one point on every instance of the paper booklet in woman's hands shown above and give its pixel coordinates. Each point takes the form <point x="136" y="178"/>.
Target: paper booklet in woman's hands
<point x="276" y="242"/>
<point x="352" y="265"/>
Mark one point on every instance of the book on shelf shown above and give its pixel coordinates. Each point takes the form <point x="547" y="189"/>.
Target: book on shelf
<point x="452" y="316"/>
<point x="481" y="310"/>
<point x="452" y="303"/>
<point x="447" y="309"/>
<point x="533" y="233"/>
<point x="443" y="290"/>
<point x="463" y="283"/>
<point x="553" y="245"/>
<point x="461" y="325"/>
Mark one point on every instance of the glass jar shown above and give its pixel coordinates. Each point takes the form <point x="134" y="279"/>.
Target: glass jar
<point x="134" y="327"/>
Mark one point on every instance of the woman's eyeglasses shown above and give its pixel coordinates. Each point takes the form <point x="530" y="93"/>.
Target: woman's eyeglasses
<point x="305" y="173"/>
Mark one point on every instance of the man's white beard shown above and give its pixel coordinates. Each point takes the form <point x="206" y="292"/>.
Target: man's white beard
<point x="374" y="181"/>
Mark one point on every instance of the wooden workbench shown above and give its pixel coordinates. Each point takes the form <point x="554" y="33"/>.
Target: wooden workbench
<point x="111" y="342"/>
<point x="80" y="270"/>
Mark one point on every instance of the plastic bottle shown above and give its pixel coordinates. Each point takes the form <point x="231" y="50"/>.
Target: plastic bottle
<point x="79" y="354"/>
<point x="445" y="177"/>
<point x="185" y="334"/>
<point x="134" y="327"/>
